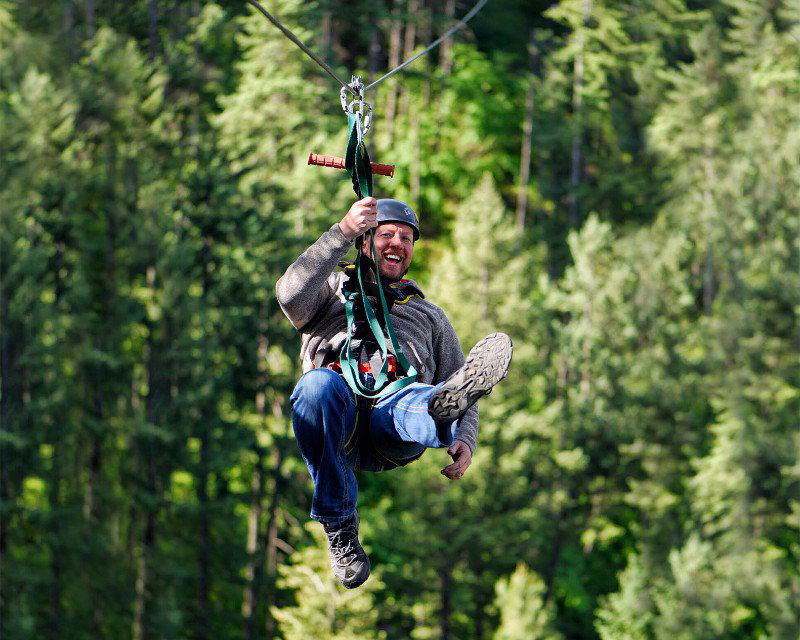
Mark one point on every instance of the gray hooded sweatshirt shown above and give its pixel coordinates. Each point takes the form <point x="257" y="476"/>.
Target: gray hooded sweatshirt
<point x="310" y="294"/>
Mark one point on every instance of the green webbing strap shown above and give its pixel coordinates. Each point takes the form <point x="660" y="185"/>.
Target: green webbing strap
<point x="357" y="163"/>
<point x="356" y="159"/>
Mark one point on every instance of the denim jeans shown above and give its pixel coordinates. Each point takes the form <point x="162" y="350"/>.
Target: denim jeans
<point x="395" y="432"/>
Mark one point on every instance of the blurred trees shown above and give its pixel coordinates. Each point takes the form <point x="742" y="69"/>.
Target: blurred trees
<point x="637" y="474"/>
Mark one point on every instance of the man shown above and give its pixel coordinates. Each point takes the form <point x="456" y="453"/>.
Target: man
<point x="338" y="431"/>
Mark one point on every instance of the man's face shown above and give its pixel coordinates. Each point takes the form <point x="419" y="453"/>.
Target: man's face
<point x="394" y="244"/>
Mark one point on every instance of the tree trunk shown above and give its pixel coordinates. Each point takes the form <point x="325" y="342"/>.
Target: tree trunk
<point x="326" y="45"/>
<point x="58" y="442"/>
<point x="95" y="451"/>
<point x="395" y="32"/>
<point x="90" y="18"/>
<point x="553" y="560"/>
<point x="445" y="610"/>
<point x="577" y="114"/>
<point x="272" y="533"/>
<point x="527" y="136"/>
<point x="446" y="48"/>
<point x="5" y="393"/>
<point x="410" y="35"/>
<point x="137" y="631"/>
<point x="55" y="595"/>
<point x="204" y="535"/>
<point x="426" y="37"/>
<point x="155" y="392"/>
<point x="140" y="585"/>
<point x="481" y="604"/>
<point x="203" y="538"/>
<point x="254" y="568"/>
<point x="250" y="602"/>
<point x="69" y="30"/>
<point x="152" y="20"/>
<point x="562" y="377"/>
<point x="708" y="215"/>
<point x="409" y="40"/>
<point x="374" y="52"/>
<point x="98" y="373"/>
<point x="54" y="483"/>
<point x="415" y="178"/>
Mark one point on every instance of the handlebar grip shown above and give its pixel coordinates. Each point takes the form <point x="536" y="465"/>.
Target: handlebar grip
<point x="382" y="169"/>
<point x="338" y="163"/>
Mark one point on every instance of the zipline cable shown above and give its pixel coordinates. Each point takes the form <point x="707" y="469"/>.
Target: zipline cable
<point x="303" y="47"/>
<point x="461" y="23"/>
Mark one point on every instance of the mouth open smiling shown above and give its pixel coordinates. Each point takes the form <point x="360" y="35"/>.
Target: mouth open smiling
<point x="394" y="246"/>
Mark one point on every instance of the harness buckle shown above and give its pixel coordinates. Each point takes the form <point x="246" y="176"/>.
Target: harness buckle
<point x="365" y="367"/>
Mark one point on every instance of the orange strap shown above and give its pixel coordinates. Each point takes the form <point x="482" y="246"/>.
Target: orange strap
<point x="363" y="367"/>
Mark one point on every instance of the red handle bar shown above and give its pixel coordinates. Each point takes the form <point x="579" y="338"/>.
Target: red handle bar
<point x="338" y="163"/>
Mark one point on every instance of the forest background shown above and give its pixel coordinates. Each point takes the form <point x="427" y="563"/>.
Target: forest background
<point x="613" y="184"/>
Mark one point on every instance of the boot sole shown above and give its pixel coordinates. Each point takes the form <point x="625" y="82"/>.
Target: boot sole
<point x="485" y="366"/>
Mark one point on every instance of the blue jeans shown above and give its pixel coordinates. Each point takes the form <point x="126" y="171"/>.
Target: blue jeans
<point x="395" y="432"/>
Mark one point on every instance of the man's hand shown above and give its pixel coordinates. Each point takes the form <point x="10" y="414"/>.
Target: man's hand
<point x="462" y="458"/>
<point x="363" y="215"/>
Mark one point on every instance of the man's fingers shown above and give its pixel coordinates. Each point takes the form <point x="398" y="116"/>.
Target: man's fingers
<point x="462" y="458"/>
<point x="361" y="216"/>
<point x="368" y="205"/>
<point x="453" y="472"/>
<point x="459" y="450"/>
<point x="457" y="468"/>
<point x="367" y="213"/>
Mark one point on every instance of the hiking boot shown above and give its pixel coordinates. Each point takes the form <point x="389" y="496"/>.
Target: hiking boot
<point x="485" y="366"/>
<point x="349" y="562"/>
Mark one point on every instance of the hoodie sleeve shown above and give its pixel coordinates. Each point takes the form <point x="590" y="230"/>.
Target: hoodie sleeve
<point x="449" y="358"/>
<point x="309" y="282"/>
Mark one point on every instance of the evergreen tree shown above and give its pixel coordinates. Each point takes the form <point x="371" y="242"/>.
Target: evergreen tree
<point x="639" y="463"/>
<point x="729" y="578"/>
<point x="523" y="615"/>
<point x="324" y="609"/>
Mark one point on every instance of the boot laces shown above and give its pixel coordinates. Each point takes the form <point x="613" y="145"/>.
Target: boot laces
<point x="343" y="542"/>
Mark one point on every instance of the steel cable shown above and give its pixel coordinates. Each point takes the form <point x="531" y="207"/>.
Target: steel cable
<point x="460" y="24"/>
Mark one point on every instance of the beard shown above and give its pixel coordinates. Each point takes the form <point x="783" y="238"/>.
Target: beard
<point x="390" y="272"/>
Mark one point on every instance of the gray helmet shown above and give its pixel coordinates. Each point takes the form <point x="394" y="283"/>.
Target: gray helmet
<point x="395" y="211"/>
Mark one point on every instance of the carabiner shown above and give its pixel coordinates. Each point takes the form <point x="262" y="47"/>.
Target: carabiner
<point x="358" y="106"/>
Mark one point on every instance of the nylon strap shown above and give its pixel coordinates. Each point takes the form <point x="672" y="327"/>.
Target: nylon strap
<point x="357" y="163"/>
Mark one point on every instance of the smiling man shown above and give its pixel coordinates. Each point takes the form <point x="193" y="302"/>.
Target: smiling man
<point x="340" y="432"/>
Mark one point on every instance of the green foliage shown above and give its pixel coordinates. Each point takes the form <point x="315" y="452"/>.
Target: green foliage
<point x="638" y="472"/>
<point x="523" y="614"/>
<point x="324" y="608"/>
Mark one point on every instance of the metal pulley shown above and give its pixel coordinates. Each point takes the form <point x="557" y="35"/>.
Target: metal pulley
<point x="357" y="106"/>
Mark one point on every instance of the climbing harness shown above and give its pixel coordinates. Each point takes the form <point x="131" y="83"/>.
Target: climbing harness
<point x="395" y="371"/>
<point x="358" y="165"/>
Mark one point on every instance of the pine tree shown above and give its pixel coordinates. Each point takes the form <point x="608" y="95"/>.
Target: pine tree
<point x="324" y="609"/>
<point x="730" y="576"/>
<point x="523" y="614"/>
